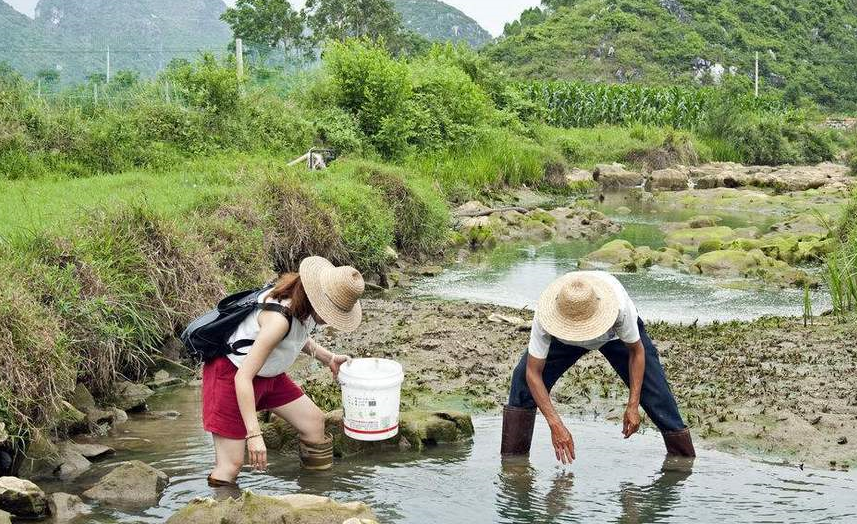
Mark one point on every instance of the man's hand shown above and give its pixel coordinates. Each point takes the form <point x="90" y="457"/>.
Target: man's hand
<point x="563" y="444"/>
<point x="631" y="421"/>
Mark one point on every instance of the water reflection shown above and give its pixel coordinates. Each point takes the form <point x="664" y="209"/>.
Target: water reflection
<point x="519" y="498"/>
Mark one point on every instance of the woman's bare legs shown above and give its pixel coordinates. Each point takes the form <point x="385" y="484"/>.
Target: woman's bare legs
<point x="303" y="415"/>
<point x="229" y="458"/>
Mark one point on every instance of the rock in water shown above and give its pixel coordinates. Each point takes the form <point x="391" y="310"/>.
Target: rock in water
<point x="71" y="463"/>
<point x="92" y="451"/>
<point x="615" y="176"/>
<point x="5" y="518"/>
<point x="131" y="396"/>
<point x="258" y="509"/>
<point x="131" y="484"/>
<point x="65" y="507"/>
<point x="667" y="180"/>
<point x="22" y="498"/>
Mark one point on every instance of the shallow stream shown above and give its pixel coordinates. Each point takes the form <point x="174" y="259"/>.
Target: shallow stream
<point x="613" y="480"/>
<point x="515" y="275"/>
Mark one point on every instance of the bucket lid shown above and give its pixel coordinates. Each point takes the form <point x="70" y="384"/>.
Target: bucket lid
<point x="371" y="368"/>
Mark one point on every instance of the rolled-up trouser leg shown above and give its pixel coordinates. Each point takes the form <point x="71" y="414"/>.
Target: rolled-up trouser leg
<point x="317" y="456"/>
<point x="519" y="415"/>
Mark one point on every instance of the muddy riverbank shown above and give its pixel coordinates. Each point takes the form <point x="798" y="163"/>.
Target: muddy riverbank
<point x="770" y="386"/>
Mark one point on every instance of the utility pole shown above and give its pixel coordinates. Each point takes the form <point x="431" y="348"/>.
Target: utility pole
<point x="757" y="74"/>
<point x="95" y="92"/>
<point x="39" y="88"/>
<point x="108" y="63"/>
<point x="239" y="58"/>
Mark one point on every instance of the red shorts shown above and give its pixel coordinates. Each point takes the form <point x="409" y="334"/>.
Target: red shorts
<point x="220" y="412"/>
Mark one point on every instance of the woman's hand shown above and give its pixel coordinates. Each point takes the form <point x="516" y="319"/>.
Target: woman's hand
<point x="336" y="362"/>
<point x="258" y="453"/>
<point x="563" y="444"/>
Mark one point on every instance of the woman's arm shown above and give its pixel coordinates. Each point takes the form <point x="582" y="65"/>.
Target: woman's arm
<point x="273" y="327"/>
<point x="326" y="357"/>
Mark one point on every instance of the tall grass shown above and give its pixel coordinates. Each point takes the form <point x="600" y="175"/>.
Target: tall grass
<point x="841" y="268"/>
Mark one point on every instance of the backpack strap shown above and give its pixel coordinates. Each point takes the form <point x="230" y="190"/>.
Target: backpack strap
<point x="247" y="342"/>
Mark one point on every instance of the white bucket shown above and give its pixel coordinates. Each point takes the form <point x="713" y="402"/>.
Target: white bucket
<point x="371" y="389"/>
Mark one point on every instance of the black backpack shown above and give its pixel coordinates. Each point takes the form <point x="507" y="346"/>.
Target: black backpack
<point x="208" y="335"/>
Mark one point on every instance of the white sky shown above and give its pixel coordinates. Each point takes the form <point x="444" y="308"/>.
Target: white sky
<point x="491" y="14"/>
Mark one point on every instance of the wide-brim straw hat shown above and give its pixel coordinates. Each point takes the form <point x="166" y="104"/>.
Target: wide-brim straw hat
<point x="578" y="307"/>
<point x="334" y="292"/>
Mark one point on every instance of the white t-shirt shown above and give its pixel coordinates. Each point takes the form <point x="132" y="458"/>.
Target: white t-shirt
<point x="284" y="354"/>
<point x="625" y="328"/>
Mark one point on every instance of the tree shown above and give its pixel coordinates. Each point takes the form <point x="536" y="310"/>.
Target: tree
<point x="270" y="23"/>
<point x="343" y="19"/>
<point x="48" y="76"/>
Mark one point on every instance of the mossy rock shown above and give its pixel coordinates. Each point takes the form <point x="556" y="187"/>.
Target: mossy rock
<point x="260" y="509"/>
<point x="70" y="420"/>
<point x="781" y="247"/>
<point x="618" y="254"/>
<point x="726" y="263"/>
<point x="745" y="244"/>
<point x="536" y="229"/>
<point x="668" y="257"/>
<point x="691" y="238"/>
<point x="709" y="246"/>
<point x="542" y="216"/>
<point x="701" y="221"/>
<point x="815" y="250"/>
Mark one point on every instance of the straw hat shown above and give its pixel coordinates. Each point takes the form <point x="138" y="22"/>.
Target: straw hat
<point x="334" y="292"/>
<point x="578" y="307"/>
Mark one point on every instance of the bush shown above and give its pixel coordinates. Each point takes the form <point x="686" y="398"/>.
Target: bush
<point x="447" y="105"/>
<point x="207" y="85"/>
<point x="373" y="87"/>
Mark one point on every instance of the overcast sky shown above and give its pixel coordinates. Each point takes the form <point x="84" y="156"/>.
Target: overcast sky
<point x="491" y="14"/>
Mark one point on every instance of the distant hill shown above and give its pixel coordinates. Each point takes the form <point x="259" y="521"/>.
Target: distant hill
<point x="72" y="36"/>
<point x="438" y="21"/>
<point x="807" y="47"/>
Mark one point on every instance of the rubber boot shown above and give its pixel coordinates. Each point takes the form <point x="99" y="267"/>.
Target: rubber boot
<point x="679" y="443"/>
<point x="223" y="490"/>
<point x="518" y="426"/>
<point x="317" y="456"/>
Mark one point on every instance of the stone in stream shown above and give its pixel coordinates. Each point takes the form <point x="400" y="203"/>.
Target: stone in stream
<point x="92" y="451"/>
<point x="5" y="518"/>
<point x="750" y="264"/>
<point x="417" y="430"/>
<point x="131" y="484"/>
<point x="691" y="238"/>
<point x="70" y="420"/>
<point x="70" y="462"/>
<point x="667" y="180"/>
<point x="22" y="498"/>
<point x="615" y="176"/>
<point x="131" y="396"/>
<point x="259" y="509"/>
<point x="64" y="507"/>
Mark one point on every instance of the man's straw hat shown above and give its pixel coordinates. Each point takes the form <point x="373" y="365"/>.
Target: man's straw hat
<point x="578" y="307"/>
<point x="334" y="292"/>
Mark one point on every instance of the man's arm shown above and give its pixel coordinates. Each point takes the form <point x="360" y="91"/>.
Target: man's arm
<point x="636" y="368"/>
<point x="562" y="441"/>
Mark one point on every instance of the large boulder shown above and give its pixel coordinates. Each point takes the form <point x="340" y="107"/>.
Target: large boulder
<point x="691" y="238"/>
<point x="667" y="180"/>
<point x="258" y="509"/>
<point x="582" y="224"/>
<point x="755" y="264"/>
<point x="22" y="498"/>
<point x="131" y="484"/>
<point x="615" y="176"/>
<point x="131" y="396"/>
<point x="65" y="508"/>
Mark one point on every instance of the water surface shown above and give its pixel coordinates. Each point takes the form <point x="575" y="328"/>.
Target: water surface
<point x="613" y="480"/>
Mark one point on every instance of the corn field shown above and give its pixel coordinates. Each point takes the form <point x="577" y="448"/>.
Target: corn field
<point x="579" y="104"/>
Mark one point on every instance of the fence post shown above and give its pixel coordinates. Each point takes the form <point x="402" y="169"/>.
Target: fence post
<point x="239" y="58"/>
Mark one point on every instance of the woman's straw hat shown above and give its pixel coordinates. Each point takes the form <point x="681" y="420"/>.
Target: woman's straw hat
<point x="578" y="307"/>
<point x="334" y="292"/>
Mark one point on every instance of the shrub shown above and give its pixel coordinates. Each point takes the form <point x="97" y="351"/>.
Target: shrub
<point x="373" y="87"/>
<point x="207" y="85"/>
<point x="339" y="130"/>
<point x="447" y="105"/>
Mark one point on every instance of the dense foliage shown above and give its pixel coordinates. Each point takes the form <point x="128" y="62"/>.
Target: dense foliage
<point x="807" y="47"/>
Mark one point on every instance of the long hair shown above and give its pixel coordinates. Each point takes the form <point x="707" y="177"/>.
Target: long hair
<point x="290" y="287"/>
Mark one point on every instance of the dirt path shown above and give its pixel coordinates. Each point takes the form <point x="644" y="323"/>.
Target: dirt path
<point x="770" y="386"/>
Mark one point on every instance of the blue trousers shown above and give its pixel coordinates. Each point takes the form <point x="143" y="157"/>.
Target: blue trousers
<point x="655" y="397"/>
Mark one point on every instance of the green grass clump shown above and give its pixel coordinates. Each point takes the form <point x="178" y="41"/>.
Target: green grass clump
<point x="841" y="268"/>
<point x="420" y="212"/>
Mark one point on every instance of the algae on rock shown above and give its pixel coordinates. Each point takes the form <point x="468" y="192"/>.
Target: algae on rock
<point x="260" y="509"/>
